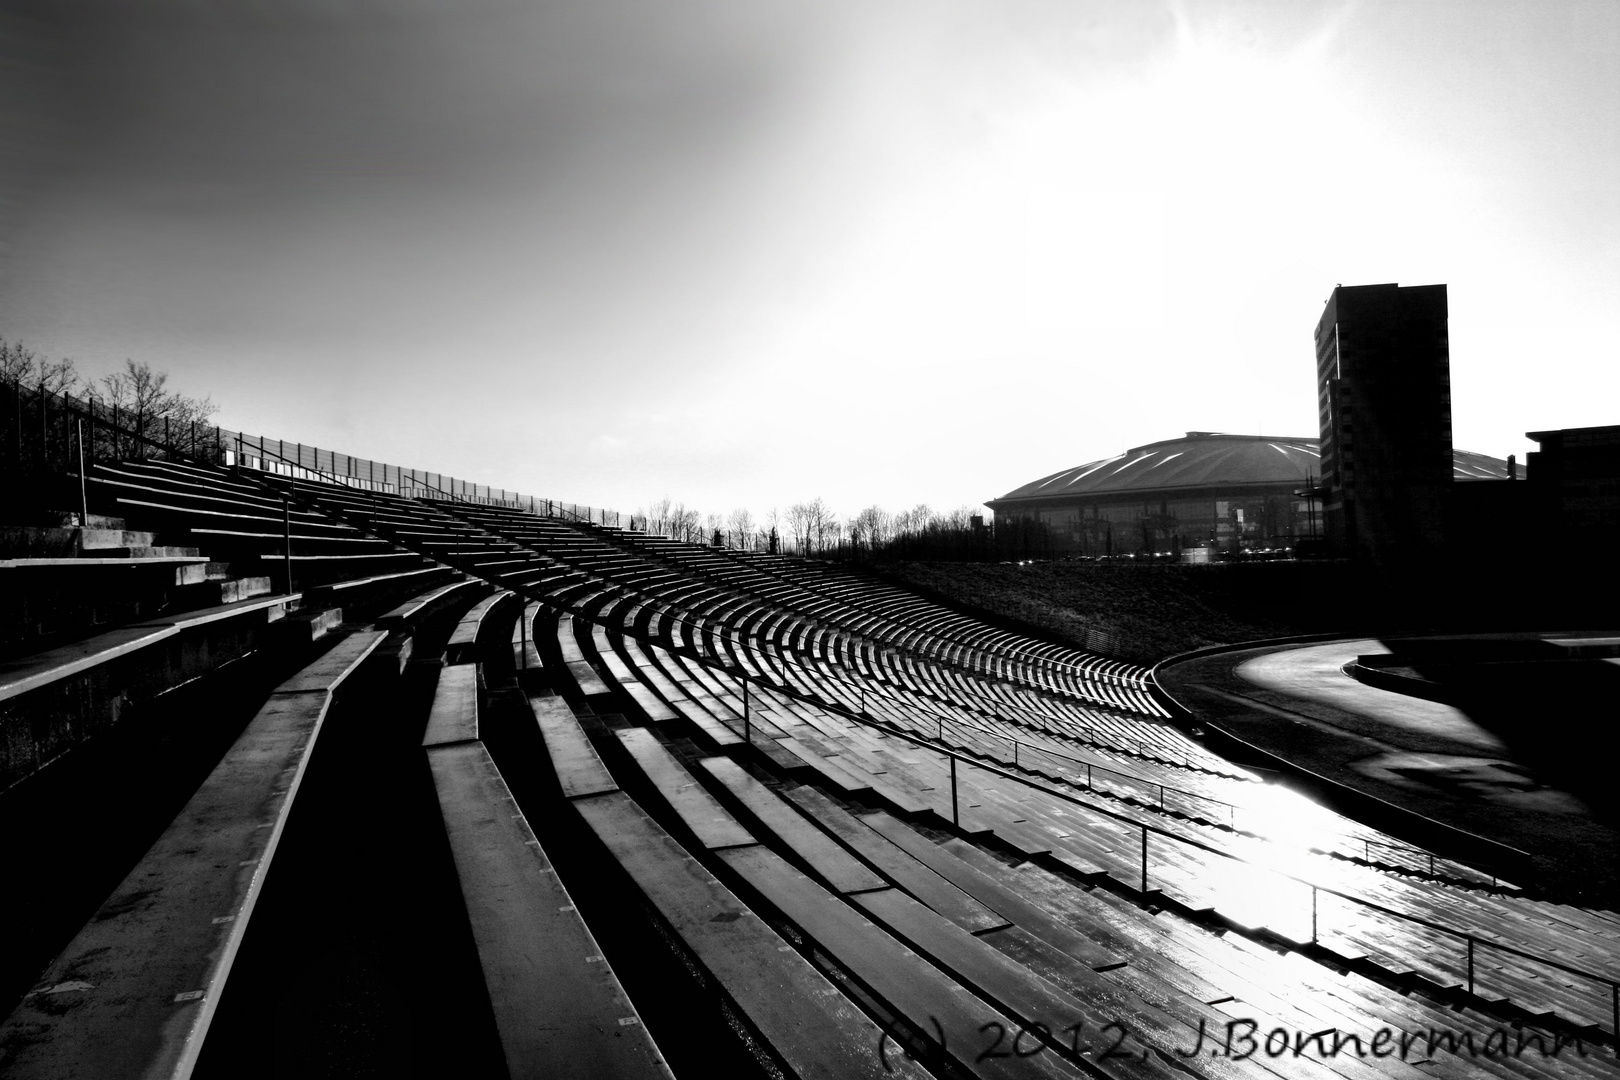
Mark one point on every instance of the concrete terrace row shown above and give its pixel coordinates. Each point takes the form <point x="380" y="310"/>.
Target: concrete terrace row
<point x="662" y="809"/>
<point x="596" y="571"/>
<point x="717" y="804"/>
<point x="730" y="604"/>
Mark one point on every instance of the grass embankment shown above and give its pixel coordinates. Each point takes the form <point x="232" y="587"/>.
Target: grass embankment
<point x="1146" y="613"/>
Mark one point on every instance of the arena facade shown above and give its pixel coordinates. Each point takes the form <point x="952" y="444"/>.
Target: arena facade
<point x="1206" y="491"/>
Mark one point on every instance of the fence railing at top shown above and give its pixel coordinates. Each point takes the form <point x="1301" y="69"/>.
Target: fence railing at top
<point x="48" y="431"/>
<point x="328" y="466"/>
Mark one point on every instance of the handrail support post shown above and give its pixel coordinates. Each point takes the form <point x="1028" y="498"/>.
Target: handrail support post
<point x="286" y="536"/>
<point x="84" y="498"/>
<point x="955" y="814"/>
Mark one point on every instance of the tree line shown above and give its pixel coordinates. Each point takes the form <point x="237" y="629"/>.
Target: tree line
<point x="136" y="391"/>
<point x="813" y="528"/>
<point x="143" y="401"/>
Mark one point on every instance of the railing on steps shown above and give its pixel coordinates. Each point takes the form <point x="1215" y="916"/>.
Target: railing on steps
<point x="1470" y="944"/>
<point x="307" y="463"/>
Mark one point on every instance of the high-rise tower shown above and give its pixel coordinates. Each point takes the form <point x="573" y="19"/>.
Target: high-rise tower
<point x="1383" y="378"/>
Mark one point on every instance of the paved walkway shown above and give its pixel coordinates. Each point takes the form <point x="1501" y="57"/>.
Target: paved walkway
<point x="1297" y="703"/>
<point x="1316" y="673"/>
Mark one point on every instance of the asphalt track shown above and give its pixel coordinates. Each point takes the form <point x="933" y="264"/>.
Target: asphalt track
<point x="1331" y="733"/>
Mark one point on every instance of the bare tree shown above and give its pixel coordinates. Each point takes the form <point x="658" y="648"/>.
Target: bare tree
<point x="142" y="396"/>
<point x="741" y="529"/>
<point x="800" y="518"/>
<point x="914" y="522"/>
<point x="815" y="526"/>
<point x="686" y="524"/>
<point x="657" y="516"/>
<point x="876" y="525"/>
<point x="825" y="524"/>
<point x="20" y="364"/>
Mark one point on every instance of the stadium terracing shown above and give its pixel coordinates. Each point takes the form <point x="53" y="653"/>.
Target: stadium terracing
<point x="497" y="787"/>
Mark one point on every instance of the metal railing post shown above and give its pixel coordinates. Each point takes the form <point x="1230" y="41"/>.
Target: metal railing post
<point x="1470" y="964"/>
<point x="84" y="499"/>
<point x="748" y="731"/>
<point x="955" y="814"/>
<point x="1144" y="860"/>
<point x="1313" y="914"/>
<point x="523" y="633"/>
<point x="286" y="551"/>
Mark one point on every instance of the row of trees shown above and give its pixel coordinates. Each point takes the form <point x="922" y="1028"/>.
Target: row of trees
<point x="811" y="528"/>
<point x="140" y="395"/>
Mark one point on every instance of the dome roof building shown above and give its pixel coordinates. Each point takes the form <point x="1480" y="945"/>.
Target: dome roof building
<point x="1205" y="490"/>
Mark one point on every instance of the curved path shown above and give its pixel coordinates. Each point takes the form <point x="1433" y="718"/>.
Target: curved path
<point x="1296" y="703"/>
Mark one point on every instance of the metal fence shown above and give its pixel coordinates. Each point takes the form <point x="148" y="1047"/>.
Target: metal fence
<point x="328" y="466"/>
<point x="45" y="431"/>
<point x="47" y="434"/>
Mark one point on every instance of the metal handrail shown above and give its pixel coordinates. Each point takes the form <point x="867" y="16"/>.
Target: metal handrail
<point x="1472" y="940"/>
<point x="1163" y="789"/>
<point x="1090" y="767"/>
<point x="418" y="480"/>
<point x="942" y="719"/>
<point x="1613" y="981"/>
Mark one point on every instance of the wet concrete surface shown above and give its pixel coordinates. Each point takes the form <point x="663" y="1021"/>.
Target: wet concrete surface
<point x="1464" y="768"/>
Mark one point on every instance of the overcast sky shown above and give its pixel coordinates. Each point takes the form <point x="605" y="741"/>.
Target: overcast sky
<point x="744" y="253"/>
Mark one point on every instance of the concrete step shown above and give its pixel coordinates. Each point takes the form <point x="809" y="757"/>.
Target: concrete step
<point x="203" y="590"/>
<point x="245" y="588"/>
<point x="304" y="627"/>
<point x="69" y="519"/>
<point x="101" y="539"/>
<point x="48" y="542"/>
<point x="37" y="542"/>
